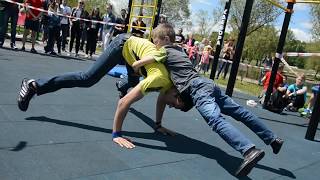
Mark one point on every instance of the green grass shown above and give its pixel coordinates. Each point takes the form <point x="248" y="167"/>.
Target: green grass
<point x="245" y="87"/>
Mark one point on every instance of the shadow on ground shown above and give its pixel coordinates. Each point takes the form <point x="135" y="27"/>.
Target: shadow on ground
<point x="179" y="144"/>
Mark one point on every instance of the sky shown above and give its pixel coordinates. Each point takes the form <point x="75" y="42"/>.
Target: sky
<point x="300" y="22"/>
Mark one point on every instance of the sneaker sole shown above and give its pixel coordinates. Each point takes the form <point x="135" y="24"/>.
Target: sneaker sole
<point x="247" y="169"/>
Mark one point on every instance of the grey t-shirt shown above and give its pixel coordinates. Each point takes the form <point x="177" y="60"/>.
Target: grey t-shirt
<point x="180" y="68"/>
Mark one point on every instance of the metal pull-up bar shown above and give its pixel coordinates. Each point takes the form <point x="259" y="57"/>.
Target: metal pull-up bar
<point x="313" y="2"/>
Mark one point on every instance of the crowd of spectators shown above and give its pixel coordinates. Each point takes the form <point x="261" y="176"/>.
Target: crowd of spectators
<point x="70" y="35"/>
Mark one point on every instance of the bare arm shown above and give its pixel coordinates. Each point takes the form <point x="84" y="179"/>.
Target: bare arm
<point x="122" y="109"/>
<point x="143" y="61"/>
<point x="302" y="91"/>
<point x="161" y="106"/>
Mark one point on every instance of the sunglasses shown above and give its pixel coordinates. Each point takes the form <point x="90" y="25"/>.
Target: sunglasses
<point x="81" y="2"/>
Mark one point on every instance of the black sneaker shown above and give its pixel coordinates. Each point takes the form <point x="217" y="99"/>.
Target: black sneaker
<point x="276" y="145"/>
<point x="25" y="94"/>
<point x="251" y="158"/>
<point x="122" y="92"/>
<point x="33" y="51"/>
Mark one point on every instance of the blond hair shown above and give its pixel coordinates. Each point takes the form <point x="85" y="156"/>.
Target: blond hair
<point x="302" y="76"/>
<point x="163" y="30"/>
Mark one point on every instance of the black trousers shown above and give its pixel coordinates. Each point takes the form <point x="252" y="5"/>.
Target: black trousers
<point x="76" y="32"/>
<point x="65" y="33"/>
<point x="54" y="36"/>
<point x="92" y="35"/>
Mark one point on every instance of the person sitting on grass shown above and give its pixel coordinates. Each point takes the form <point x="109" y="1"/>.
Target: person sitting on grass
<point x="315" y="91"/>
<point x="296" y="94"/>
<point x="137" y="52"/>
<point x="201" y="92"/>
<point x="265" y="80"/>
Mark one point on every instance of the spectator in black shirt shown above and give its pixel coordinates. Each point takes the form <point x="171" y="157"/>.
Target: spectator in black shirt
<point x="118" y="29"/>
<point x="179" y="37"/>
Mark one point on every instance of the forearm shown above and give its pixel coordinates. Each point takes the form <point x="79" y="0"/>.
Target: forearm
<point x="160" y="107"/>
<point x="301" y="91"/>
<point x="143" y="61"/>
<point x="121" y="112"/>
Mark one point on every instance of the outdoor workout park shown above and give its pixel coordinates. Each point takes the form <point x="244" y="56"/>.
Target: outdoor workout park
<point x="73" y="133"/>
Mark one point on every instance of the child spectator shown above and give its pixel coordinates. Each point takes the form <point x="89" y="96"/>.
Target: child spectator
<point x="315" y="92"/>
<point x="265" y="80"/>
<point x="297" y="94"/>
<point x="193" y="53"/>
<point x="205" y="59"/>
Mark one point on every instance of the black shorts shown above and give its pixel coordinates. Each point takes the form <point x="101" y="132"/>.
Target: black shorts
<point x="32" y="25"/>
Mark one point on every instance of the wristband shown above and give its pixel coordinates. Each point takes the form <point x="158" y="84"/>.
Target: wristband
<point x="116" y="134"/>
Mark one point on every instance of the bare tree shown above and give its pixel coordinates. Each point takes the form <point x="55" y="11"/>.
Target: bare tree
<point x="315" y="12"/>
<point x="203" y="22"/>
<point x="263" y="13"/>
<point x="177" y="11"/>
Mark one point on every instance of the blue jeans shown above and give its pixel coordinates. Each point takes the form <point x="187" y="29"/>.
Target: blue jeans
<point x="210" y="102"/>
<point x="109" y="59"/>
<point x="224" y="65"/>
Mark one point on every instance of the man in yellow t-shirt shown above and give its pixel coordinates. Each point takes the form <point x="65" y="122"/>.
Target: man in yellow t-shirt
<point x="139" y="53"/>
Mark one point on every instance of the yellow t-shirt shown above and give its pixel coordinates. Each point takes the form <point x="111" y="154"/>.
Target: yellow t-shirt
<point x="157" y="75"/>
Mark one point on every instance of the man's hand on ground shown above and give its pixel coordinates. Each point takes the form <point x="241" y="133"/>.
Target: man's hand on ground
<point x="166" y="131"/>
<point x="124" y="142"/>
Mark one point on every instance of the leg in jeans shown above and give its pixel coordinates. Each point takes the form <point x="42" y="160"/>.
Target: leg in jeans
<point x="239" y="113"/>
<point x="203" y="94"/>
<point x="104" y="64"/>
<point x="220" y="69"/>
<point x="226" y="69"/>
<point x="132" y="80"/>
